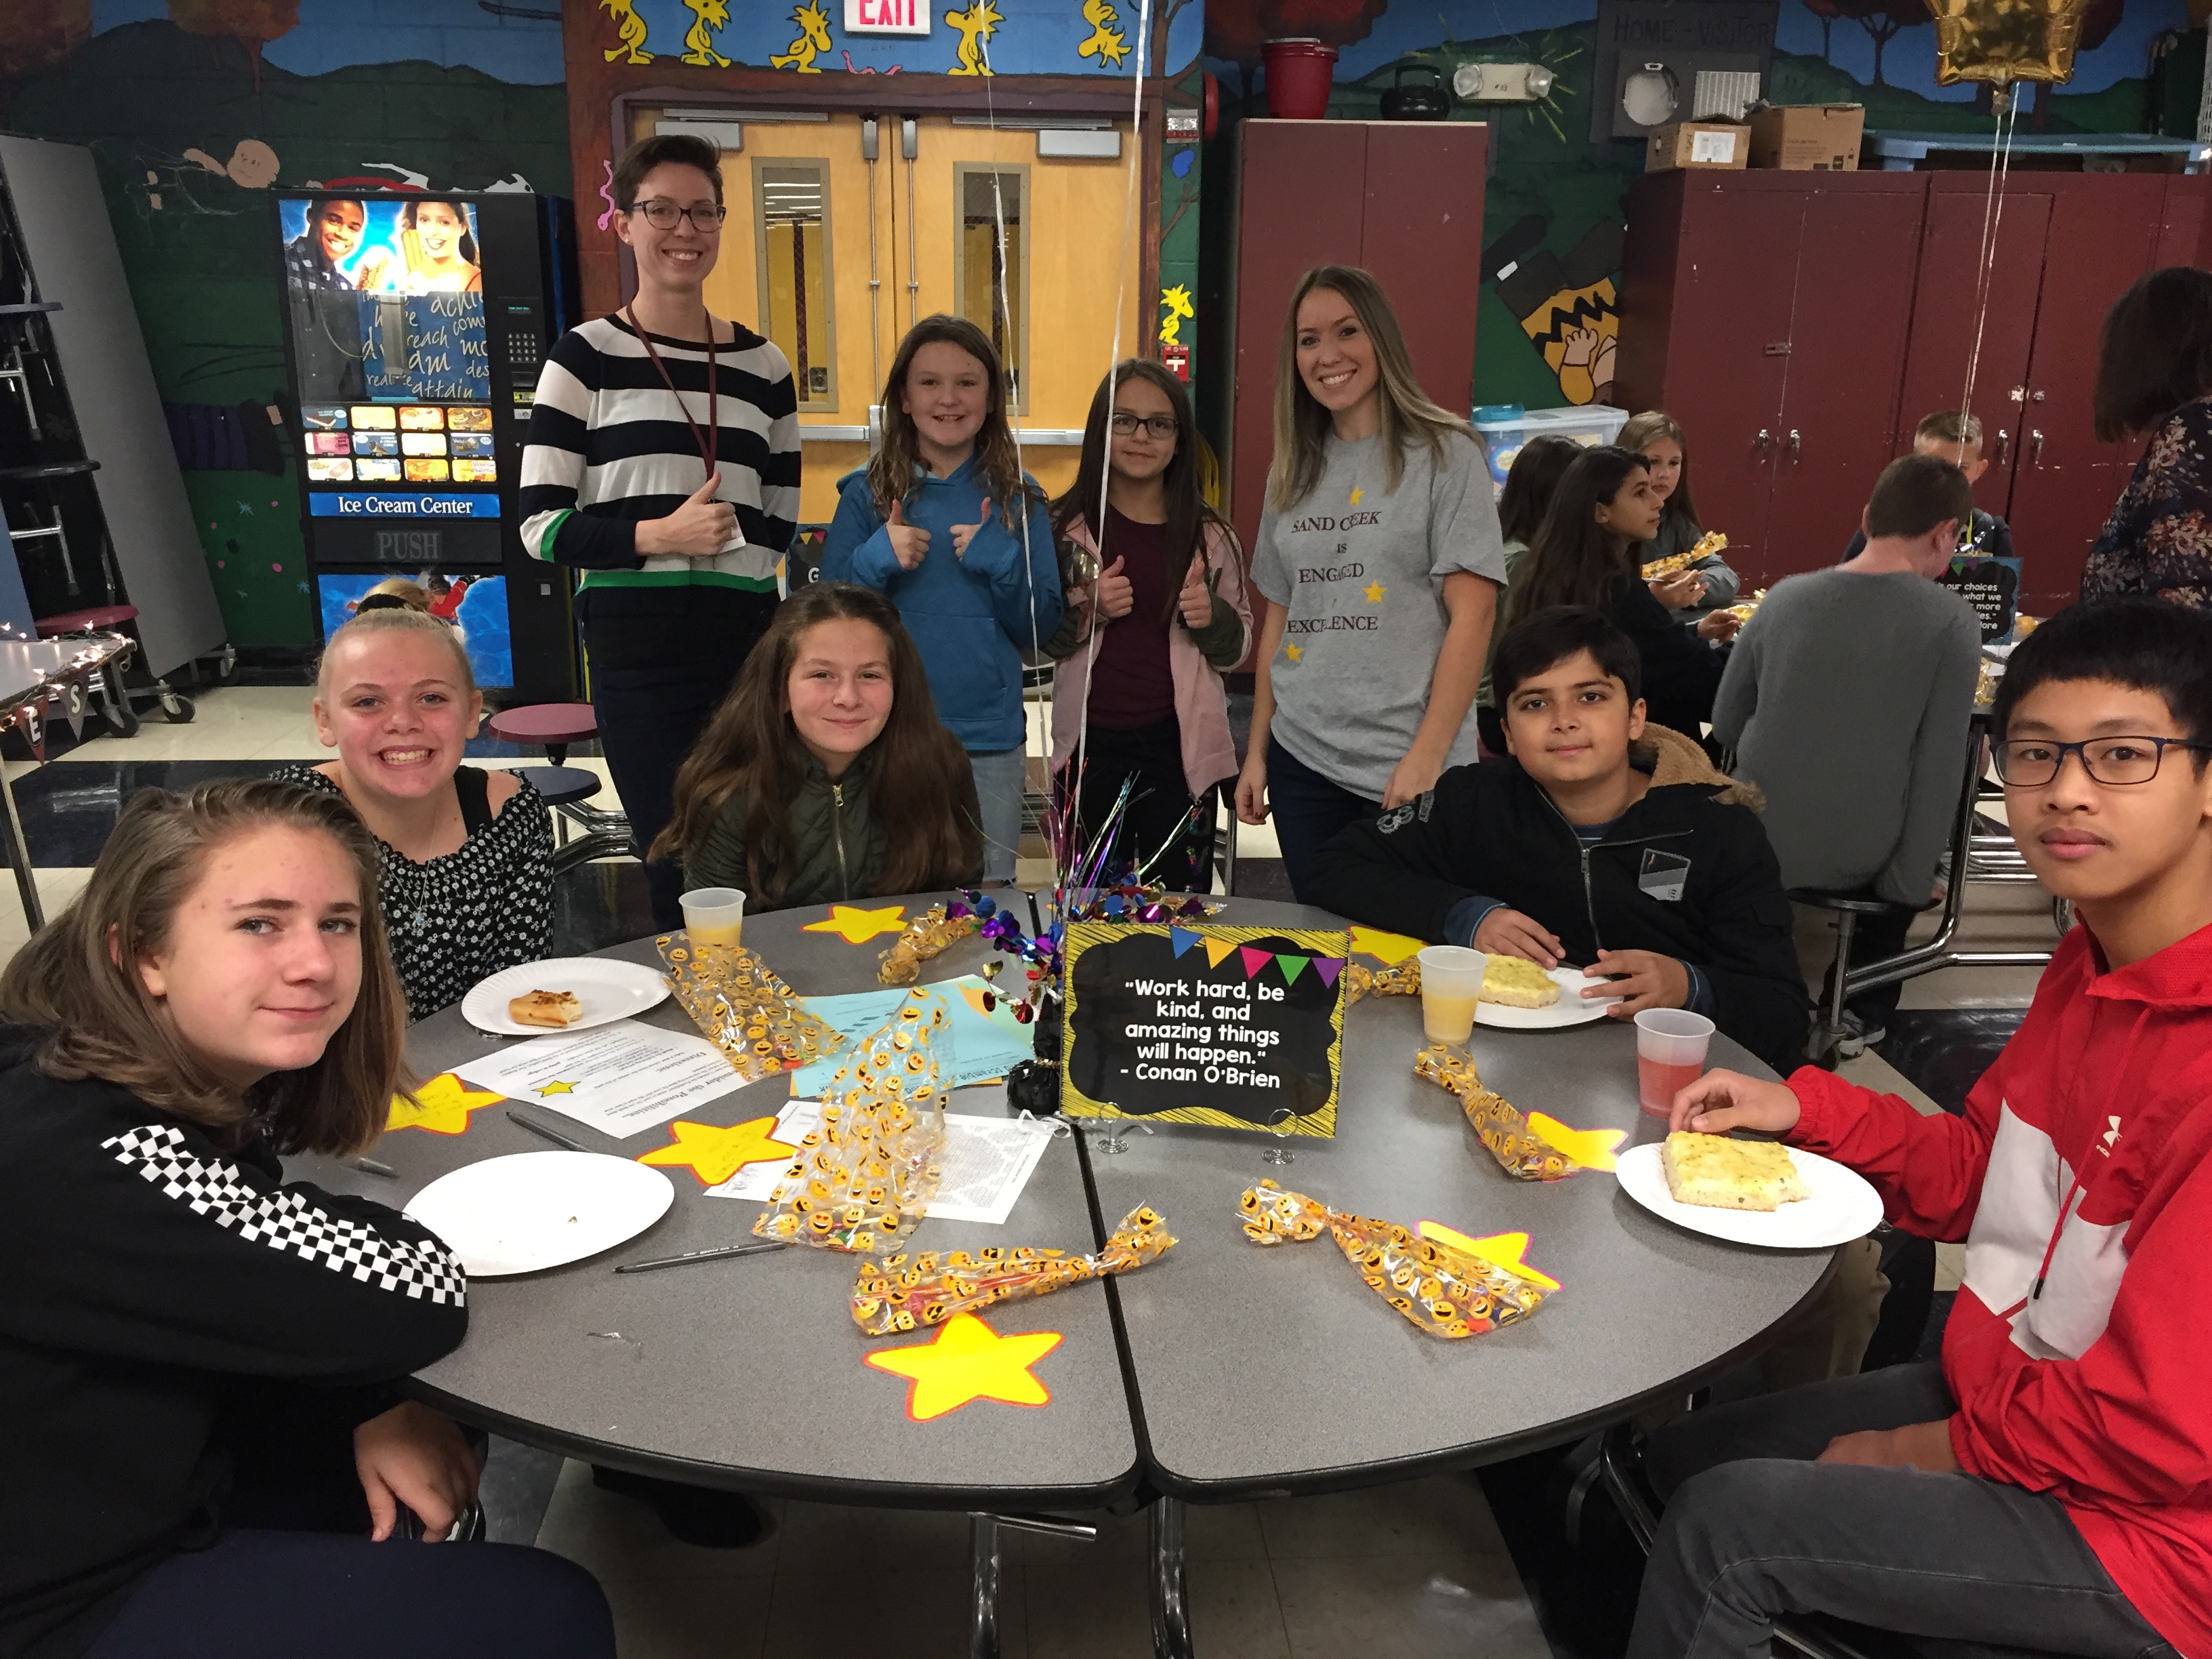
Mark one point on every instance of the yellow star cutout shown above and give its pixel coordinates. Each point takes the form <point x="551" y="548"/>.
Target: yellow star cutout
<point x="1375" y="591"/>
<point x="1591" y="1148"/>
<point x="555" y="1088"/>
<point x="1389" y="949"/>
<point x="1499" y="1249"/>
<point x="856" y="926"/>
<point x="442" y="1106"/>
<point x="1294" y="651"/>
<point x="1357" y="492"/>
<point x="968" y="1361"/>
<point x="714" y="1154"/>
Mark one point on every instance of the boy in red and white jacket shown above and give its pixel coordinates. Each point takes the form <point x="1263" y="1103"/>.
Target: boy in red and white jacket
<point x="2049" y="1486"/>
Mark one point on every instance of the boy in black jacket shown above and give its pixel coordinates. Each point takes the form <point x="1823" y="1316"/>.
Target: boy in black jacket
<point x="1570" y="852"/>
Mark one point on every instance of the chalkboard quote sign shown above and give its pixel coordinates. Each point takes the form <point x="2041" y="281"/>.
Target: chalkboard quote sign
<point x="1227" y="1026"/>
<point x="1991" y="585"/>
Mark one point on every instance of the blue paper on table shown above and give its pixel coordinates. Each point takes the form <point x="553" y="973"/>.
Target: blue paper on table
<point x="984" y="1046"/>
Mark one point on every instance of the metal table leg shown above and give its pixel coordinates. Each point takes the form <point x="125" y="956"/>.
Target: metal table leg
<point x="983" y="1586"/>
<point x="19" y="855"/>
<point x="1170" y="1610"/>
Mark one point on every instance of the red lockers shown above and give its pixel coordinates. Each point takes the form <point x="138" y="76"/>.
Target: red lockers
<point x="1404" y="199"/>
<point x="1798" y="325"/>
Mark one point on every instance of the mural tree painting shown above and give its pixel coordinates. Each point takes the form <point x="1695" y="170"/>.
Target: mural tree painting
<point x="252" y="23"/>
<point x="1238" y="29"/>
<point x="1882" y="20"/>
<point x="31" y="37"/>
<point x="1827" y="11"/>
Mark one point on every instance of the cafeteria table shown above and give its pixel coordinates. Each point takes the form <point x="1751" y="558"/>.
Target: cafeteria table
<point x="1220" y="1372"/>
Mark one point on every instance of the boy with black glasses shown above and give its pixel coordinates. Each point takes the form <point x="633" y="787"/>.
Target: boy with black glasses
<point x="2049" y="1485"/>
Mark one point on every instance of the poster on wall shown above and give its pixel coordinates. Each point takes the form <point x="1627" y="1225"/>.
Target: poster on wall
<point x="474" y="606"/>
<point x="386" y="298"/>
<point x="1240" y="1027"/>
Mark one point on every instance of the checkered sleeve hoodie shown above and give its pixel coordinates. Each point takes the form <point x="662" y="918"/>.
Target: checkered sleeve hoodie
<point x="148" y="1274"/>
<point x="2080" y="1177"/>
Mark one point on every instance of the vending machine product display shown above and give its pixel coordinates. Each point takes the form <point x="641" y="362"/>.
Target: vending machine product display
<point x="416" y="326"/>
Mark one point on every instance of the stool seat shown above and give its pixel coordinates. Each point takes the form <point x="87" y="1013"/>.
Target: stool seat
<point x="85" y="622"/>
<point x="545" y="722"/>
<point x="561" y="785"/>
<point x="1859" y="901"/>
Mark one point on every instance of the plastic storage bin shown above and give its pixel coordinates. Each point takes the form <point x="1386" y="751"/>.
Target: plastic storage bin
<point x="1504" y="429"/>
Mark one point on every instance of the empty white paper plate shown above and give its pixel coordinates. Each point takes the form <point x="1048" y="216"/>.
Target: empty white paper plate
<point x="531" y="1211"/>
<point x="1840" y="1205"/>
<point x="610" y="990"/>
<point x="1570" y="1010"/>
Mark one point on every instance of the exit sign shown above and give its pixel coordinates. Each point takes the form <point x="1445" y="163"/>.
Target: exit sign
<point x="887" y="16"/>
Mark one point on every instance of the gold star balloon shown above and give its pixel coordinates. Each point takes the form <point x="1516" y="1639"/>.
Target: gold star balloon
<point x="2006" y="39"/>
<point x="442" y="1106"/>
<point x="716" y="1154"/>
<point x="967" y="1360"/>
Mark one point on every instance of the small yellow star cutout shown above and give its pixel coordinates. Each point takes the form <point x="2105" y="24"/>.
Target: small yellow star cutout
<point x="1294" y="651"/>
<point x="716" y="1154"/>
<point x="1375" y="591"/>
<point x="442" y="1106"/>
<point x="1357" y="492"/>
<point x="857" y="926"/>
<point x="1389" y="949"/>
<point x="1591" y="1148"/>
<point x="968" y="1361"/>
<point x="1499" y="1249"/>
<point x="555" y="1088"/>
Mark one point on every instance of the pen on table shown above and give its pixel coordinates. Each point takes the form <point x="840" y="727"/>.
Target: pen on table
<point x="538" y="1128"/>
<point x="719" y="1252"/>
<point x="373" y="1168"/>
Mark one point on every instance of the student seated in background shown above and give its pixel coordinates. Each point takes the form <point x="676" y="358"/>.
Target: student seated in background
<point x="825" y="775"/>
<point x="1698" y="590"/>
<point x="1848" y="700"/>
<point x="468" y="854"/>
<point x="1599" y="843"/>
<point x="1522" y="504"/>
<point x="2045" y="1486"/>
<point x="205" y="1445"/>
<point x="1957" y="438"/>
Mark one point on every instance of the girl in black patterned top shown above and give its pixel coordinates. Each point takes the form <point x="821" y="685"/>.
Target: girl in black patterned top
<point x="468" y="869"/>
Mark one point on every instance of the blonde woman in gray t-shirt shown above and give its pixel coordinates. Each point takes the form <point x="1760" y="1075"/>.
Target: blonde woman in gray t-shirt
<point x="1377" y="567"/>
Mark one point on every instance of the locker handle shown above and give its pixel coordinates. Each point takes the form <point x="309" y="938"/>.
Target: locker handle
<point x="2035" y="448"/>
<point x="2004" y="442"/>
<point x="1761" y="441"/>
<point x="1797" y="445"/>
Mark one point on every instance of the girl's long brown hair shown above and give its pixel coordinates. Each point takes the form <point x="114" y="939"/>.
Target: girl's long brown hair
<point x="1638" y="433"/>
<point x="750" y="749"/>
<point x="891" y="468"/>
<point x="1189" y="518"/>
<point x="1408" y="414"/>
<point x="1574" y="559"/>
<point x="101" y="1021"/>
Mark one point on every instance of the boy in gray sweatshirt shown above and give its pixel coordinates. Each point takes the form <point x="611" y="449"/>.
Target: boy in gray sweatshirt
<point x="1848" y="700"/>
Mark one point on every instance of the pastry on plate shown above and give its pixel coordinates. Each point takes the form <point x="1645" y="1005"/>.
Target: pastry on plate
<point x="1721" y="1174"/>
<point x="554" y="1008"/>
<point x="1517" y="982"/>
<point x="1711" y="543"/>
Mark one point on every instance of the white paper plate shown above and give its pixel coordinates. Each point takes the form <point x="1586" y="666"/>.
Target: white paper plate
<point x="609" y="990"/>
<point x="1569" y="1010"/>
<point x="535" y="1210"/>
<point x="1841" y="1207"/>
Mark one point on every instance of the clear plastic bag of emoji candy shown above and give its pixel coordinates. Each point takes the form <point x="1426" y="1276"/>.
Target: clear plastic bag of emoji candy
<point x="742" y="1007"/>
<point x="904" y="1293"/>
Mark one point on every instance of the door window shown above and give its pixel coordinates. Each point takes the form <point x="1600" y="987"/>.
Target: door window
<point x="992" y="274"/>
<point x="791" y="214"/>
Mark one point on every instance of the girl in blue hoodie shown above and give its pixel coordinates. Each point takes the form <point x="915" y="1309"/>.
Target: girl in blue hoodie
<point x="945" y="523"/>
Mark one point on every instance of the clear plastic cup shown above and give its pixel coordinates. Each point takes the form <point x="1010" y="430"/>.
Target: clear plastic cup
<point x="1670" y="1055"/>
<point x="1452" y="983"/>
<point x="715" y="916"/>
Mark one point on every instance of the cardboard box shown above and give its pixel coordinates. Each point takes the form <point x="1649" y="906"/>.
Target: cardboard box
<point x="1698" y="144"/>
<point x="1808" y="138"/>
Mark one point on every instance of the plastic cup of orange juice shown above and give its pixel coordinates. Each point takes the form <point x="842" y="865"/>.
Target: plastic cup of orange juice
<point x="715" y="916"/>
<point x="1451" y="982"/>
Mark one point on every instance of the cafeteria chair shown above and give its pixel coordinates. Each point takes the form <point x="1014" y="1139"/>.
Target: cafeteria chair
<point x="597" y="834"/>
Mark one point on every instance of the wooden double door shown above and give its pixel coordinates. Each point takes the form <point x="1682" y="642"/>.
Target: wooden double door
<point x="1800" y="325"/>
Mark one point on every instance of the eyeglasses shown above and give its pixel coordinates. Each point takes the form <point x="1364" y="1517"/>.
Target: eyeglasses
<point x="1158" y="426"/>
<point x="2031" y="763"/>
<point x="662" y="214"/>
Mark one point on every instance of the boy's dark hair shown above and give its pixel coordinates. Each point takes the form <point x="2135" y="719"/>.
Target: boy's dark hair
<point x="2141" y="643"/>
<point x="2155" y="353"/>
<point x="684" y="149"/>
<point x="1550" y="636"/>
<point x="1529" y="482"/>
<point x="1948" y="426"/>
<point x="1915" y="494"/>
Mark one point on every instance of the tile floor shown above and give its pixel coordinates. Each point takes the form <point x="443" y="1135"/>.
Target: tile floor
<point x="1418" y="1569"/>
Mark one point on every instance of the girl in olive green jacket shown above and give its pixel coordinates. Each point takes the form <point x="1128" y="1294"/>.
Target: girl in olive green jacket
<point x="825" y="776"/>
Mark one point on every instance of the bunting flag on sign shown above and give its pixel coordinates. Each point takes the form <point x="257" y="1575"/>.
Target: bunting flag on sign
<point x="1291" y="966"/>
<point x="1328" y="968"/>
<point x="1254" y="959"/>
<point x="1181" y="938"/>
<point x="1217" y="949"/>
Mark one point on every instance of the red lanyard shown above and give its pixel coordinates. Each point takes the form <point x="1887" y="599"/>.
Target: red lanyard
<point x="713" y="424"/>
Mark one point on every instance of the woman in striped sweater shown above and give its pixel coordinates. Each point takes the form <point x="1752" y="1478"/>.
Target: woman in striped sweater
<point x="663" y="463"/>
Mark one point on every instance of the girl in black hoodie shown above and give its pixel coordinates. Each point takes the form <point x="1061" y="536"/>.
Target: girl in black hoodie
<point x="189" y="1347"/>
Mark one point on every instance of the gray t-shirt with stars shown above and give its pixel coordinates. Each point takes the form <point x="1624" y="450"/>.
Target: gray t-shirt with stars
<point x="1361" y="569"/>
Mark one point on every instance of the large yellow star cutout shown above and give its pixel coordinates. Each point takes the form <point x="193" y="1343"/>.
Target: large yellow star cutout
<point x="1357" y="492"/>
<point x="1375" y="591"/>
<point x="1591" y="1148"/>
<point x="856" y="926"/>
<point x="968" y="1361"/>
<point x="1294" y="651"/>
<point x="442" y="1106"/>
<point x="716" y="1154"/>
<point x="1499" y="1249"/>
<point x="1388" y="948"/>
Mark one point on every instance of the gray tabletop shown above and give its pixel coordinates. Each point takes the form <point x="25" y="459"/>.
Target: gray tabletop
<point x="1272" y="1370"/>
<point x="750" y="1372"/>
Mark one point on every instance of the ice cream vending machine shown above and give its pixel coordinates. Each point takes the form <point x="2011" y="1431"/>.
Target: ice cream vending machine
<point x="415" y="327"/>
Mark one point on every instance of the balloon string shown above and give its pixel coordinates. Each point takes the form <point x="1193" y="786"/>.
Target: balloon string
<point x="1992" y="222"/>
